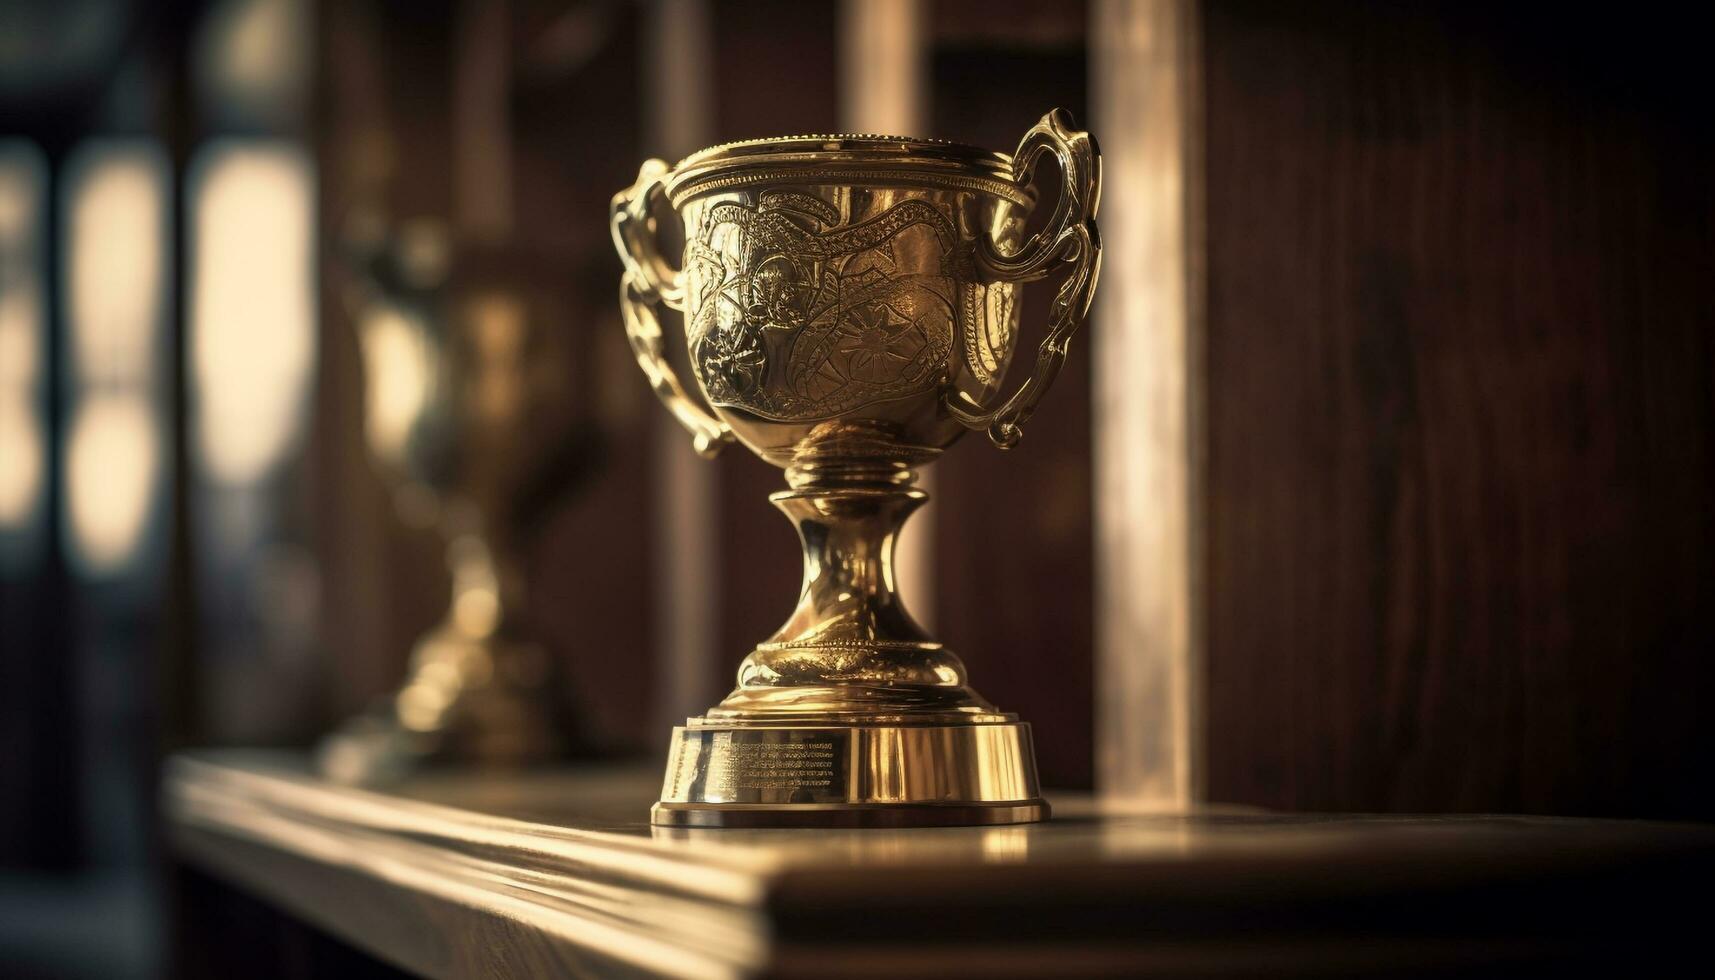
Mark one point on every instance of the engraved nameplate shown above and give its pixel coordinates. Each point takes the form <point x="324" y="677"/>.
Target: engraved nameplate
<point x="759" y="766"/>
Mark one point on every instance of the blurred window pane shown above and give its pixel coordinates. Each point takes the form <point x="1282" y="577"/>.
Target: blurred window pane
<point x="23" y="455"/>
<point x="115" y="274"/>
<point x="252" y="304"/>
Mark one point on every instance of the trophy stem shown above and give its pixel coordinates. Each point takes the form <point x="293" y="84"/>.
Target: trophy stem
<point x="850" y="650"/>
<point x="850" y="595"/>
<point x="851" y="714"/>
<point x="475" y="692"/>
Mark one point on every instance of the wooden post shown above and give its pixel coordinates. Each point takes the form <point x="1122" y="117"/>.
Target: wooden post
<point x="1145" y="93"/>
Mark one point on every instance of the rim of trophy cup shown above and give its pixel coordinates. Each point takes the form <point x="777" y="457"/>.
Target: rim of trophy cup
<point x="848" y="158"/>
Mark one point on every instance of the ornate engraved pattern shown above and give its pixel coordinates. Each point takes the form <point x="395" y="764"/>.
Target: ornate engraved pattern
<point x="795" y="318"/>
<point x="990" y="325"/>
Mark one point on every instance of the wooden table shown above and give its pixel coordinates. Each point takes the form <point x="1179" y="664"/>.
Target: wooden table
<point x="557" y="873"/>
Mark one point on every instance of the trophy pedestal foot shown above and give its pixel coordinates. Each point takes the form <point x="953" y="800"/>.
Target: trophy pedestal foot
<point x="846" y="815"/>
<point x="737" y="774"/>
<point x="466" y="702"/>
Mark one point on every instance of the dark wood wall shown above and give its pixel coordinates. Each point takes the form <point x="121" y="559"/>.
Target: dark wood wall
<point x="1012" y="559"/>
<point x="1459" y="407"/>
<point x="385" y="583"/>
<point x="576" y="145"/>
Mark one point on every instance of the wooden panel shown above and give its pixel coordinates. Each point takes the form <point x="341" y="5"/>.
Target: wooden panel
<point x="1012" y="529"/>
<point x="1148" y="397"/>
<point x="1460" y="459"/>
<point x="590" y="554"/>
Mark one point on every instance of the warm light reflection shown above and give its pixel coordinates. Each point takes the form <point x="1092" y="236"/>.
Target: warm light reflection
<point x="476" y="587"/>
<point x="1143" y="380"/>
<point x="1006" y="845"/>
<point x="21" y="445"/>
<point x="252" y="304"/>
<point x="398" y="370"/>
<point x="497" y="328"/>
<point x="21" y="448"/>
<point x="111" y="461"/>
<point x="115" y="234"/>
<point x="115" y="266"/>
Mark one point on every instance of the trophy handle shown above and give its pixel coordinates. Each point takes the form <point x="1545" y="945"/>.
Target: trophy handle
<point x="1069" y="237"/>
<point x="649" y="280"/>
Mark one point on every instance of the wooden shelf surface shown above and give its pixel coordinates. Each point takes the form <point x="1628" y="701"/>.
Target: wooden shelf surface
<point x="558" y="873"/>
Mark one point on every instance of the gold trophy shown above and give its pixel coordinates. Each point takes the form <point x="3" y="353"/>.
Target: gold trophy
<point x="850" y="308"/>
<point x="469" y="418"/>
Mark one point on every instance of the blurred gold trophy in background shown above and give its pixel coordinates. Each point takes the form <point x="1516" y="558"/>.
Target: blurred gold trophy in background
<point x="850" y="309"/>
<point x="468" y="414"/>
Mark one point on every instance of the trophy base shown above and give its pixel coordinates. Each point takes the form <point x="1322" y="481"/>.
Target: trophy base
<point x="734" y="774"/>
<point x="846" y="815"/>
<point x="467" y="701"/>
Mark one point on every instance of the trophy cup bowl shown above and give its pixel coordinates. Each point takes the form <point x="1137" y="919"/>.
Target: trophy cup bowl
<point x="850" y="309"/>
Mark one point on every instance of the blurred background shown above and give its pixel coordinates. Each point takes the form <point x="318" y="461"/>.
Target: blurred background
<point x="1398" y="399"/>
